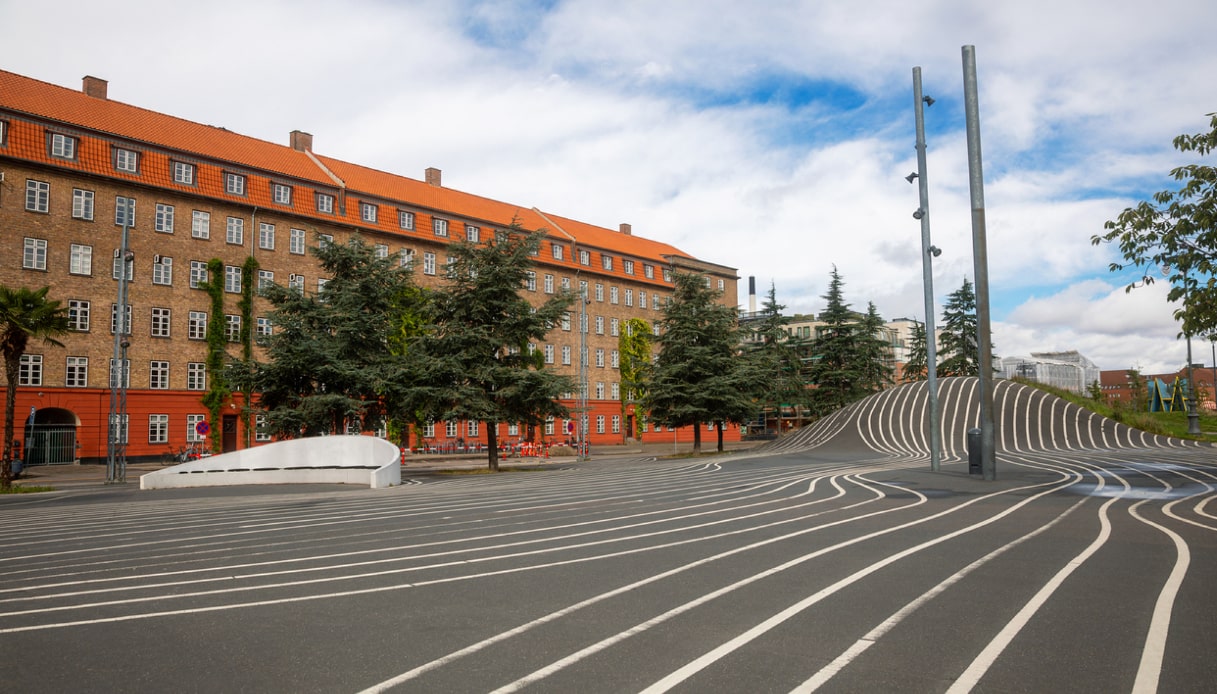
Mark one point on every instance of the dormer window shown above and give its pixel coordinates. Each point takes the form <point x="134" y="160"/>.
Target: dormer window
<point x="368" y="212"/>
<point x="559" y="253"/>
<point x="439" y="226"/>
<point x="183" y="173"/>
<point x="234" y="184"/>
<point x="325" y="203"/>
<point x="606" y="261"/>
<point x="63" y="146"/>
<point x="281" y="194"/>
<point x="126" y="160"/>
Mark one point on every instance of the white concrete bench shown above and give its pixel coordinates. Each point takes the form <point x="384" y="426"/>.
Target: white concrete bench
<point x="316" y="460"/>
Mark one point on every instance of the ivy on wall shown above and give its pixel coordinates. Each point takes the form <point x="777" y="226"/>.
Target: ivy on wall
<point x="249" y="271"/>
<point x="218" y="391"/>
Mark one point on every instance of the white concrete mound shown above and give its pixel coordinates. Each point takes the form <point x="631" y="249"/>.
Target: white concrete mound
<point x="317" y="460"/>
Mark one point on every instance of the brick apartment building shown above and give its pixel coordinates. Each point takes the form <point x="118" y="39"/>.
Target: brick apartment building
<point x="76" y="166"/>
<point x="1117" y="386"/>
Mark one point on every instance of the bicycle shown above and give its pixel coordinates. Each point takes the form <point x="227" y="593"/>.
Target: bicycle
<point x="176" y="456"/>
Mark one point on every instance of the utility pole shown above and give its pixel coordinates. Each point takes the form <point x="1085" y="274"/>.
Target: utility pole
<point x="980" y="261"/>
<point x="928" y="251"/>
<point x="116" y="449"/>
<point x="582" y="453"/>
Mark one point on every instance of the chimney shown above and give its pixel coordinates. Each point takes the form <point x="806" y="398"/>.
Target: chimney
<point x="752" y="293"/>
<point x="432" y="176"/>
<point x="627" y="229"/>
<point x="94" y="87"/>
<point x="301" y="141"/>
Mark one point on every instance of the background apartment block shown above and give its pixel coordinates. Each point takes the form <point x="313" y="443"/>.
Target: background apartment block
<point x="76" y="167"/>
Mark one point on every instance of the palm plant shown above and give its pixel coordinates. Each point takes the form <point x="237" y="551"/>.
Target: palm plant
<point x="25" y="314"/>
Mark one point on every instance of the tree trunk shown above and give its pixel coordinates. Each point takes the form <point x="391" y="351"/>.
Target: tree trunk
<point x="719" y="427"/>
<point x="696" y="438"/>
<point x="492" y="439"/>
<point x="12" y="365"/>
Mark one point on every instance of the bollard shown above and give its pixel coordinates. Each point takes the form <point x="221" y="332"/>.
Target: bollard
<point x="974" y="464"/>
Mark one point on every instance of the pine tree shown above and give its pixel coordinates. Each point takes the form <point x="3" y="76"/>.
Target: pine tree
<point x="329" y="366"/>
<point x="698" y="376"/>
<point x="474" y="362"/>
<point x="779" y="381"/>
<point x="958" y="349"/>
<point x="917" y="366"/>
<point x="834" y="368"/>
<point x="874" y="353"/>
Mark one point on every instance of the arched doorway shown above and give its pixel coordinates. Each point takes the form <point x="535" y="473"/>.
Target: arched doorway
<point x="50" y="437"/>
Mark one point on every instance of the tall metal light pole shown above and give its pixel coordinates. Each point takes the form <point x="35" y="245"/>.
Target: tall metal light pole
<point x="582" y="453"/>
<point x="116" y="448"/>
<point x="980" y="261"/>
<point x="928" y="252"/>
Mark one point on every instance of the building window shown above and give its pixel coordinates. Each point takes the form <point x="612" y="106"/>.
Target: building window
<point x="77" y="372"/>
<point x="381" y="251"/>
<point x="200" y="224"/>
<point x="325" y="203"/>
<point x="192" y="426"/>
<point x="63" y="146"/>
<point x="549" y="354"/>
<point x="34" y="257"/>
<point x="599" y="424"/>
<point x="264" y="329"/>
<point x="183" y="173"/>
<point x="405" y="220"/>
<point x="161" y="322"/>
<point x="599" y="292"/>
<point x="124" y="211"/>
<point x="614" y="327"/>
<point x="158" y="428"/>
<point x="613" y="295"/>
<point x="260" y="433"/>
<point x="164" y="218"/>
<point x="722" y="284"/>
<point x="439" y="226"/>
<point x="281" y="194"/>
<point x="642" y="299"/>
<point x="196" y="376"/>
<point x="232" y="327"/>
<point x="295" y="241"/>
<point x="629" y="297"/>
<point x="599" y="325"/>
<point x="368" y="212"/>
<point x="265" y="279"/>
<point x="116" y="268"/>
<point x="80" y="260"/>
<point x="599" y="357"/>
<point x="405" y="257"/>
<point x="235" y="233"/>
<point x="549" y="284"/>
<point x="615" y="359"/>
<point x="667" y="274"/>
<point x="530" y="281"/>
<point x="558" y="251"/>
<point x="114" y="319"/>
<point x="566" y="321"/>
<point x="197" y="326"/>
<point x="29" y="373"/>
<point x="549" y="426"/>
<point x="198" y="273"/>
<point x="158" y="375"/>
<point x="628" y="266"/>
<point x="606" y="261"/>
<point x="648" y="271"/>
<point x="566" y="355"/>
<point x="234" y="184"/>
<point x="325" y="240"/>
<point x="82" y="204"/>
<point x="126" y="373"/>
<point x="37" y="196"/>
<point x="78" y="315"/>
<point x="472" y="233"/>
<point x="450" y="429"/>
<point x="296" y="282"/>
<point x="162" y="270"/>
<point x="428" y="263"/>
<point x="616" y="424"/>
<point x="126" y="160"/>
<point x="585" y="258"/>
<point x="266" y="236"/>
<point x="232" y="279"/>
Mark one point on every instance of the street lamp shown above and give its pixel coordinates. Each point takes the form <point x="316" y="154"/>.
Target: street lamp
<point x="928" y="253"/>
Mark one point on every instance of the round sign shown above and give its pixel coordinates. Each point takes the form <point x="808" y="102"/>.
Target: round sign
<point x="202" y="428"/>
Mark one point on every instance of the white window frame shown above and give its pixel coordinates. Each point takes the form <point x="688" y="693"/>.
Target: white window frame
<point x="232" y="279"/>
<point x="234" y="231"/>
<point x="163" y="221"/>
<point x="34" y="255"/>
<point x="200" y="224"/>
<point x="439" y="226"/>
<point x="80" y="259"/>
<point x="369" y="212"/>
<point x="82" y="204"/>
<point x="428" y="263"/>
<point x="77" y="372"/>
<point x="196" y="325"/>
<point x="234" y="184"/>
<point x="162" y="270"/>
<point x="266" y="236"/>
<point x="296" y="241"/>
<point x="158" y="375"/>
<point x="37" y="196"/>
<point x="405" y="220"/>
<point x="281" y="194"/>
<point x="472" y="234"/>
<point x="126" y="160"/>
<point x="29" y="373"/>
<point x="196" y="376"/>
<point x="162" y="321"/>
<point x="78" y="315"/>
<point x="183" y="173"/>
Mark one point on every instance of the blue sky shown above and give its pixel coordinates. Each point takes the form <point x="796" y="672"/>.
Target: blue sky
<point x="773" y="136"/>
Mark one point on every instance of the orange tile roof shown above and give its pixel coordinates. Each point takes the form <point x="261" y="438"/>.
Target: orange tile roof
<point x="166" y="136"/>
